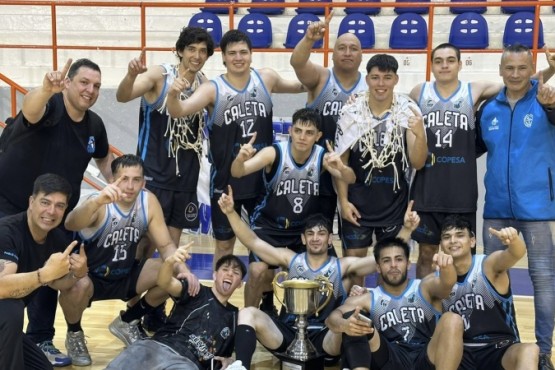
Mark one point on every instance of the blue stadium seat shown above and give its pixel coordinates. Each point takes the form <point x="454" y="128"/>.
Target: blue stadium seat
<point x="367" y="11"/>
<point x="516" y="9"/>
<point x="210" y="22"/>
<point x="297" y="28"/>
<point x="259" y="29"/>
<point x="316" y="11"/>
<point x="267" y="11"/>
<point x="469" y="31"/>
<point x="421" y="10"/>
<point x="473" y="9"/>
<point x="218" y="10"/>
<point x="362" y="26"/>
<point x="408" y="31"/>
<point x="520" y="28"/>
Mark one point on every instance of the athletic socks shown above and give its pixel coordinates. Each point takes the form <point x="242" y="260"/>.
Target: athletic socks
<point x="137" y="311"/>
<point x="74" y="327"/>
<point x="245" y="344"/>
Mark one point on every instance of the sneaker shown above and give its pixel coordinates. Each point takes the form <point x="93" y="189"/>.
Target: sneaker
<point x="128" y="333"/>
<point x="156" y="319"/>
<point x="76" y="346"/>
<point x="545" y="362"/>
<point x="53" y="354"/>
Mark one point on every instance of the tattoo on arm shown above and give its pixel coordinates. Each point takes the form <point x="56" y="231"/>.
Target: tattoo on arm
<point x="3" y="264"/>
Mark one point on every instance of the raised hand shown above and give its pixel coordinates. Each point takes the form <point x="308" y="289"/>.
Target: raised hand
<point x="78" y="263"/>
<point x="506" y="235"/>
<point x="411" y="219"/>
<point x="546" y="93"/>
<point x="53" y="81"/>
<point x="137" y="65"/>
<point x="416" y="123"/>
<point x="178" y="86"/>
<point x="57" y="264"/>
<point x="550" y="58"/>
<point x="226" y="202"/>
<point x="441" y="260"/>
<point x="333" y="159"/>
<point x="316" y="30"/>
<point x="247" y="151"/>
<point x="111" y="193"/>
<point x="181" y="254"/>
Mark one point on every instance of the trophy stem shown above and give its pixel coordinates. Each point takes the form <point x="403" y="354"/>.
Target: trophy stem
<point x="301" y="348"/>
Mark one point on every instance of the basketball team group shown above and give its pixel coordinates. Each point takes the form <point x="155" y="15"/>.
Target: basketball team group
<point x="392" y="168"/>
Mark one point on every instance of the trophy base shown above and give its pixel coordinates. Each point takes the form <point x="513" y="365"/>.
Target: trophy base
<point x="288" y="363"/>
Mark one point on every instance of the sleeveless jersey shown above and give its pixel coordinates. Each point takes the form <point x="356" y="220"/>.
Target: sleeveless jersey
<point x="200" y="327"/>
<point x="170" y="148"/>
<point x="379" y="158"/>
<point x="448" y="181"/>
<point x="237" y="115"/>
<point x="487" y="315"/>
<point x="407" y="318"/>
<point x="329" y="103"/>
<point x="291" y="194"/>
<point x="111" y="248"/>
<point x="300" y="270"/>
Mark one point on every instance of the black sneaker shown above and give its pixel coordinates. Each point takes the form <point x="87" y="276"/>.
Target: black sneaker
<point x="545" y="362"/>
<point x="155" y="319"/>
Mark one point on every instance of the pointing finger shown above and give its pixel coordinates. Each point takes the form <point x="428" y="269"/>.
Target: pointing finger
<point x="66" y="68"/>
<point x="328" y="18"/>
<point x="253" y="138"/>
<point x="410" y="205"/>
<point x="82" y="250"/>
<point x="229" y="191"/>
<point x="69" y="248"/>
<point x="142" y="56"/>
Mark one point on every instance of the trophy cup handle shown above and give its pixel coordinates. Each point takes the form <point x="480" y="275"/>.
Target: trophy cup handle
<point x="275" y="284"/>
<point x="325" y="287"/>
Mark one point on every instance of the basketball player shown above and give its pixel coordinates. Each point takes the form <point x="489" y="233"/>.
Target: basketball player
<point x="239" y="105"/>
<point x="292" y="175"/>
<point x="111" y="223"/>
<point x="328" y="88"/>
<point x="381" y="136"/>
<point x="404" y="329"/>
<point x="483" y="298"/>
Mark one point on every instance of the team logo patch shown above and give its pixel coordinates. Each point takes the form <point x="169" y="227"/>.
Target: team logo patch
<point x="191" y="212"/>
<point x="528" y="120"/>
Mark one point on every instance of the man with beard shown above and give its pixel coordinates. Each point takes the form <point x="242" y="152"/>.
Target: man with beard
<point x="402" y="331"/>
<point x="276" y="334"/>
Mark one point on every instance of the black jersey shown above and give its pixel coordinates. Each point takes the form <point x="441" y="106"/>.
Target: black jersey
<point x="237" y="115"/>
<point x="329" y="104"/>
<point x="379" y="158"/>
<point x="56" y="144"/>
<point x="111" y="248"/>
<point x="291" y="193"/>
<point x="200" y="327"/>
<point x="170" y="148"/>
<point x="17" y="244"/>
<point x="448" y="181"/>
<point x="487" y="315"/>
<point x="407" y="318"/>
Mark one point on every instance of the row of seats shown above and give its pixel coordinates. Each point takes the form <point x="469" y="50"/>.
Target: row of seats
<point x="408" y="30"/>
<point x="365" y="10"/>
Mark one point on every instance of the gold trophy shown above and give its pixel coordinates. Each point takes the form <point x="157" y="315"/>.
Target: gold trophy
<point x="302" y="298"/>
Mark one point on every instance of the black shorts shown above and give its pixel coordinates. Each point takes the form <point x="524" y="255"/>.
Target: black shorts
<point x="316" y="337"/>
<point x="220" y="225"/>
<point x="124" y="289"/>
<point x="429" y="229"/>
<point x="277" y="241"/>
<point x="180" y="208"/>
<point x="395" y="356"/>
<point x="355" y="237"/>
<point x="486" y="357"/>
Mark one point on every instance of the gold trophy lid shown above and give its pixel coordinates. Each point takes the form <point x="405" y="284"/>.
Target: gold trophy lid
<point x="301" y="284"/>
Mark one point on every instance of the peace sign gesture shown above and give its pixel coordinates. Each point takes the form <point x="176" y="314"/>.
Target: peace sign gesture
<point x="53" y="81"/>
<point x="546" y="93"/>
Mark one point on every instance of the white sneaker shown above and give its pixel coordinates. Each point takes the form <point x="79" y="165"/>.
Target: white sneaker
<point x="53" y="354"/>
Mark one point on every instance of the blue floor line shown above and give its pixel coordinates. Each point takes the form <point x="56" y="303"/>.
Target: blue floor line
<point x="201" y="264"/>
